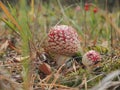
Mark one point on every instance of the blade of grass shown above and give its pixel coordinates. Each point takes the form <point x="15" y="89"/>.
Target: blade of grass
<point x="10" y="25"/>
<point x="110" y="22"/>
<point x="9" y="15"/>
<point x="26" y="38"/>
<point x="32" y="7"/>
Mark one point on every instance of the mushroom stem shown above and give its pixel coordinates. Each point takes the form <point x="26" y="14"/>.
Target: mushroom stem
<point x="81" y="50"/>
<point x="60" y="59"/>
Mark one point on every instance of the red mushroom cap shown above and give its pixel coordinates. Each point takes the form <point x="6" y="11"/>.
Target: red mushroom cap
<point x="93" y="55"/>
<point x="63" y="40"/>
<point x="90" y="58"/>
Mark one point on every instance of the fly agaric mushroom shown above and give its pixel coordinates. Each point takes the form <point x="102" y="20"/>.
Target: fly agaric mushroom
<point x="91" y="58"/>
<point x="63" y="42"/>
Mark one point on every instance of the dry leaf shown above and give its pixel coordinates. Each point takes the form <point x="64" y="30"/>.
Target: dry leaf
<point x="45" y="68"/>
<point x="4" y="46"/>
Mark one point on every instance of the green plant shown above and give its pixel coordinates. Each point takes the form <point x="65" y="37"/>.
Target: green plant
<point x="20" y="25"/>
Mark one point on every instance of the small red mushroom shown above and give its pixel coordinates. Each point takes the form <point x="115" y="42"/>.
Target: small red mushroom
<point x="87" y="6"/>
<point x="90" y="58"/>
<point x="95" y="10"/>
<point x="62" y="41"/>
